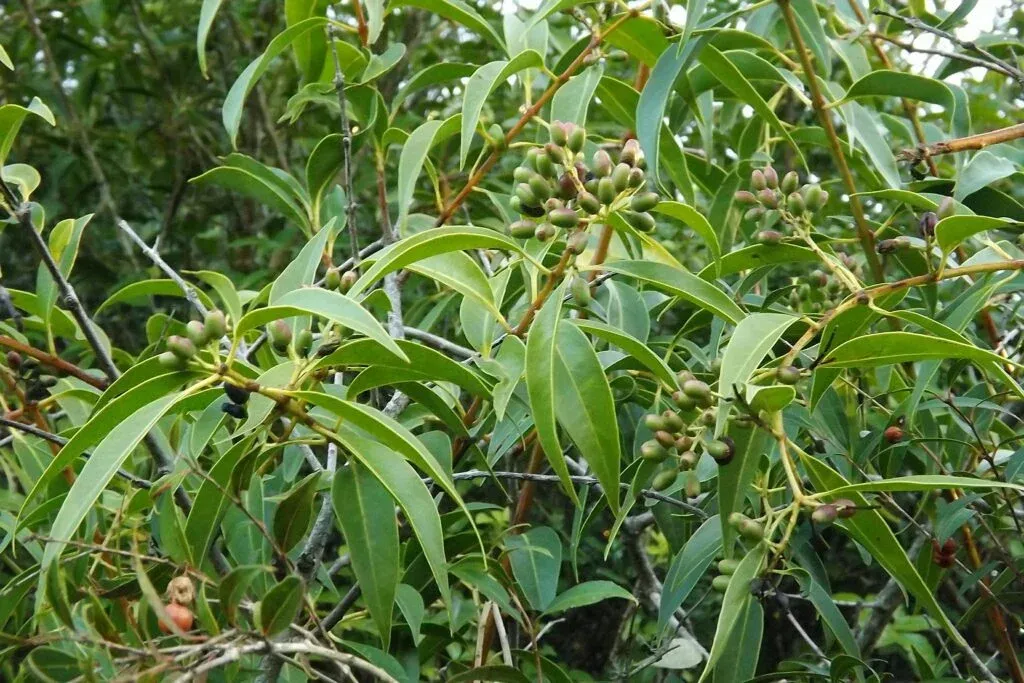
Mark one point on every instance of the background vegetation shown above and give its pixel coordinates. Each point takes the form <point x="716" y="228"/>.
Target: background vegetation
<point x="437" y="340"/>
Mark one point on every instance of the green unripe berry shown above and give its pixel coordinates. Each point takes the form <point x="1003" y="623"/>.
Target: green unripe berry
<point x="215" y="324"/>
<point x="721" y="451"/>
<point x="577" y="242"/>
<point x="655" y="423"/>
<point x="181" y="347"/>
<point x="332" y="278"/>
<point x="708" y="418"/>
<point x="540" y="187"/>
<point x="696" y="389"/>
<point x="545" y="166"/>
<point x="787" y="374"/>
<point x="530" y="161"/>
<point x="555" y="153"/>
<point x="721" y="583"/>
<point x="196" y="333"/>
<point x="683" y="443"/>
<point x="526" y="195"/>
<point x="745" y="197"/>
<point x="737" y="518"/>
<point x="348" y="279"/>
<point x="664" y="479"/>
<point x="771" y="178"/>
<point x="795" y="204"/>
<point x="644" y="201"/>
<point x="642" y="222"/>
<point x="620" y="178"/>
<point x="553" y="204"/>
<point x="673" y="423"/>
<point x="728" y="567"/>
<point x="606" y="191"/>
<point x="652" y="450"/>
<point x="497" y="136"/>
<point x="769" y="237"/>
<point x="559" y="133"/>
<point x="303" y="342"/>
<point x="692" y="484"/>
<point x="682" y="401"/>
<point x="280" y="335"/>
<point x="602" y="164"/>
<point x="825" y="514"/>
<point x="580" y="289"/>
<point x="522" y="174"/>
<point x="688" y="460"/>
<point x="544" y="232"/>
<point x="170" y="361"/>
<point x="564" y="218"/>
<point x="630" y="152"/>
<point x="636" y="178"/>
<point x="814" y="197"/>
<point x="790" y="183"/>
<point x="751" y="530"/>
<point x="757" y="180"/>
<point x="588" y="202"/>
<point x="754" y="213"/>
<point x="768" y="198"/>
<point x="577" y="138"/>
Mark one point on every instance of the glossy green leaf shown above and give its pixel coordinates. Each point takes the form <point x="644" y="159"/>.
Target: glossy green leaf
<point x="951" y="231"/>
<point x="736" y="478"/>
<point x="294" y="513"/>
<point x="735" y="605"/>
<point x="259" y="187"/>
<point x="234" y="586"/>
<point x="279" y="607"/>
<point x="457" y="11"/>
<point x="630" y="345"/>
<point x="210" y="503"/>
<point x="207" y="14"/>
<point x="587" y="593"/>
<point x="751" y="341"/>
<point x="923" y="482"/>
<point x="985" y="168"/>
<point x="687" y="568"/>
<point x="683" y="284"/>
<point x="366" y="513"/>
<point x="694" y="220"/>
<point x="11" y="118"/>
<point x="536" y="559"/>
<point x="301" y="272"/>
<point x="572" y="100"/>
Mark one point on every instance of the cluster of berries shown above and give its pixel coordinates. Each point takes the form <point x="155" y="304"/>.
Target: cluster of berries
<point x="819" y="291"/>
<point x="771" y="198"/>
<point x="198" y="334"/>
<point x="555" y="189"/>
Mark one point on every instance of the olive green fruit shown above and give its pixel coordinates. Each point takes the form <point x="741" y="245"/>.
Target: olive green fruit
<point x="523" y="229"/>
<point x="196" y="332"/>
<point x="720" y="583"/>
<point x="540" y="188"/>
<point x="620" y="177"/>
<point x="497" y="136"/>
<point x="630" y="152"/>
<point x="215" y="323"/>
<point x="606" y="191"/>
<point x="655" y="423"/>
<point x="601" y="164"/>
<point x="553" y="204"/>
<point x="769" y="237"/>
<point x="716" y="365"/>
<point x="521" y="174"/>
<point x="757" y="179"/>
<point x="673" y="423"/>
<point x="682" y="401"/>
<point x="745" y="197"/>
<point x="771" y="177"/>
<point x="787" y="374"/>
<point x="825" y="514"/>
<point x="591" y="186"/>
<point x="545" y="165"/>
<point x="947" y="207"/>
<point x="526" y="195"/>
<point x="688" y="460"/>
<point x="642" y="222"/>
<point x="564" y="218"/>
<point x="170" y="361"/>
<point x="280" y="335"/>
<point x="696" y="389"/>
<point x="719" y="450"/>
<point x="768" y="198"/>
<point x="750" y="530"/>
<point x="577" y="138"/>
<point x="814" y="197"/>
<point x="559" y="133"/>
<point x="795" y="204"/>
<point x="555" y="153"/>
<point x="817" y="278"/>
<point x="754" y="213"/>
<point x="580" y="289"/>
<point x="652" y="450"/>
<point x="644" y="201"/>
<point x="737" y="518"/>
<point x="588" y="202"/>
<point x="577" y="242"/>
<point x="544" y="232"/>
<point x="531" y="160"/>
<point x="845" y="507"/>
<point x="348" y="278"/>
<point x="303" y="342"/>
<point x="708" y="418"/>
<point x="181" y="347"/>
<point x="692" y="484"/>
<point x="665" y="439"/>
<point x="684" y="376"/>
<point x="332" y="278"/>
<point x="728" y="567"/>
<point x="662" y="480"/>
<point x="636" y="178"/>
<point x="887" y="246"/>
<point x="683" y="443"/>
<point x="790" y="182"/>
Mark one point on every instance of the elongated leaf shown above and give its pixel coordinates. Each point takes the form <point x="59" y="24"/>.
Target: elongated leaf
<point x="235" y="101"/>
<point x="11" y="118"/>
<point x="587" y="593"/>
<point x="206" y="16"/>
<point x="210" y="503"/>
<point x="457" y="11"/>
<point x="983" y="169"/>
<point x="541" y="346"/>
<point x="106" y="459"/>
<point x="324" y="163"/>
<point x="886" y="348"/>
<point x="294" y="513"/>
<point x="410" y="162"/>
<point x="736" y="478"/>
<point x="233" y="588"/>
<point x="693" y="220"/>
<point x="252" y="185"/>
<point x="280" y="606"/>
<point x="585" y="407"/>
<point x="430" y="243"/>
<point x="923" y="482"/>
<point x="953" y="230"/>
<point x="632" y="346"/>
<point x="480" y="86"/>
<point x="301" y="272"/>
<point x="572" y="100"/>
<point x="753" y="338"/>
<point x="459" y="271"/>
<point x="536" y="559"/>
<point x="336" y="307"/>
<point x="688" y="566"/>
<point x="735" y="603"/>
<point x="366" y="513"/>
<point x="683" y="284"/>
<point x="411" y="494"/>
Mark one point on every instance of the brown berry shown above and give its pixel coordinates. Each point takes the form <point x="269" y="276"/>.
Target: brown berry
<point x="893" y="434"/>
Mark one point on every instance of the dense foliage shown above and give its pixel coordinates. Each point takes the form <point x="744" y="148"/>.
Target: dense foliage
<point x="438" y="340"/>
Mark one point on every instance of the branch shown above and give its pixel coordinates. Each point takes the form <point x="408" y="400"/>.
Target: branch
<point x="53" y="361"/>
<point x="439" y="343"/>
<point x="346" y="146"/>
<point x="965" y="144"/>
<point x="153" y="255"/>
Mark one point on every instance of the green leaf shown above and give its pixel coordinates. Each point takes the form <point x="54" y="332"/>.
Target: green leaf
<point x="311" y="47"/>
<point x="736" y="478"/>
<point x="294" y="513"/>
<point x="755" y="256"/>
<point x="324" y="163"/>
<point x="210" y="503"/>
<point x="431" y="75"/>
<point x="366" y="513"/>
<point x="480" y="86"/>
<point x="830" y="614"/>
<point x="585" y="407"/>
<point x="951" y="231"/>
<point x="536" y="559"/>
<point x="5" y="58"/>
<point x="745" y="642"/>
<point x="457" y="11"/>
<point x="410" y="602"/>
<point x="11" y="118"/>
<point x="587" y="593"/>
<point x="259" y="187"/>
<point x="494" y="673"/>
<point x="864" y="126"/>
<point x="429" y="243"/>
<point x="983" y="169"/>
<point x="411" y="494"/>
<point x="225" y="289"/>
<point x="235" y="100"/>
<point x="301" y="272"/>
<point x="336" y="307"/>
<point x="233" y="588"/>
<point x="459" y="271"/>
<point x="572" y="100"/>
<point x="206" y="16"/>
<point x="735" y="604"/>
<point x="631" y="345"/>
<point x="382" y="63"/>
<point x="101" y="467"/>
<point x="693" y="220"/>
<point x="683" y="284"/>
<point x="687" y="567"/>
<point x="886" y="83"/>
<point x="541" y="349"/>
<point x="137" y="291"/>
<point x="731" y="77"/>
<point x="868" y="528"/>
<point x="922" y="482"/>
<point x="410" y="161"/>
<point x="375" y="12"/>
<point x="751" y="341"/>
<point x="279" y="607"/>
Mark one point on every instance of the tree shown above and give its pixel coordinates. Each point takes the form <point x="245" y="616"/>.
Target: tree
<point x="421" y="340"/>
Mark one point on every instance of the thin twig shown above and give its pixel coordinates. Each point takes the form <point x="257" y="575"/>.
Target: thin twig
<point x="54" y="362"/>
<point x="439" y="343"/>
<point x="153" y="255"/>
<point x="346" y="146"/>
